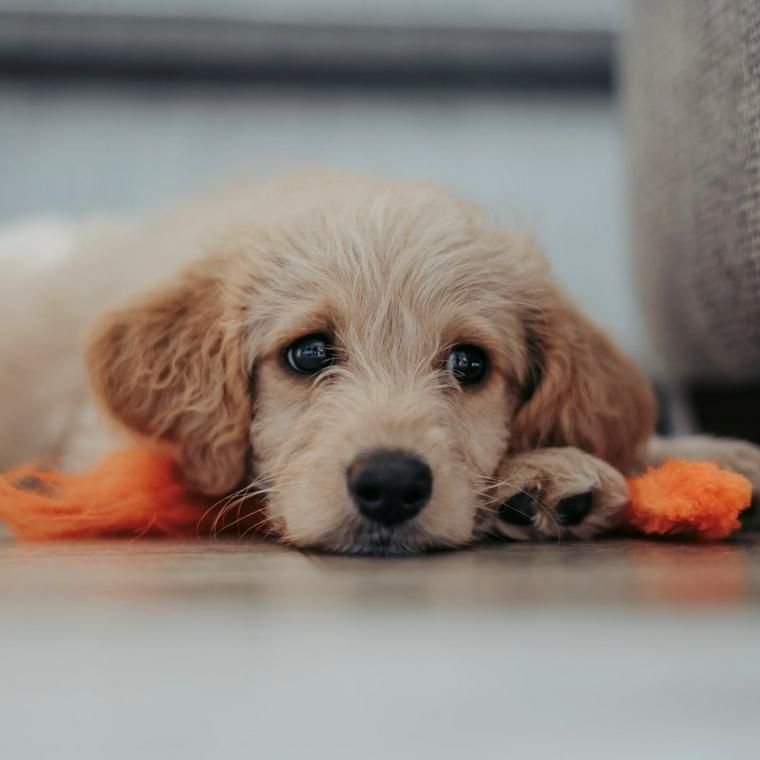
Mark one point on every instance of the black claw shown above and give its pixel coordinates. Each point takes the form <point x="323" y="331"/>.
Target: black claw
<point x="574" y="509"/>
<point x="519" y="510"/>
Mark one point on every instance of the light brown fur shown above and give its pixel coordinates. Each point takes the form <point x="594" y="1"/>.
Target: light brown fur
<point x="398" y="272"/>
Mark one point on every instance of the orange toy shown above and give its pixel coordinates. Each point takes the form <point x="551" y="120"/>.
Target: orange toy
<point x="129" y="494"/>
<point x="689" y="498"/>
<point x="138" y="493"/>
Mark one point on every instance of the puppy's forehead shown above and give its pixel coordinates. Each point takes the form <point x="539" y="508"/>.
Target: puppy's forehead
<point x="393" y="264"/>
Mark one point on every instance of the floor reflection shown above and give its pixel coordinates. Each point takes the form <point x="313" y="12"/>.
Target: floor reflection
<point x="654" y="574"/>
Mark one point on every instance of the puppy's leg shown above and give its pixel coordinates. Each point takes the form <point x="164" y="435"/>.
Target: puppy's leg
<point x="728" y="453"/>
<point x="554" y="493"/>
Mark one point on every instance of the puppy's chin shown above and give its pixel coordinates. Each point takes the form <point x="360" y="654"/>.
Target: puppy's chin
<point x="375" y="540"/>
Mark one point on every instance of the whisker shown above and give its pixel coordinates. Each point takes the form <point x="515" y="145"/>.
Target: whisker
<point x="236" y="504"/>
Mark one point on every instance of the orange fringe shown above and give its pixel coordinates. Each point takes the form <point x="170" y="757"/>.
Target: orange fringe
<point x="129" y="494"/>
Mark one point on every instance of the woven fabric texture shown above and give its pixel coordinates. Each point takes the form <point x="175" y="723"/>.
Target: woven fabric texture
<point x="692" y="97"/>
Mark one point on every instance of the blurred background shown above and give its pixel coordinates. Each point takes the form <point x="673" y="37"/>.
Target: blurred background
<point x="622" y="132"/>
<point x="115" y="106"/>
<point x="627" y="136"/>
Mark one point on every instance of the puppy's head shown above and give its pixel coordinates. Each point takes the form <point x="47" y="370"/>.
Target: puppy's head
<point x="366" y="361"/>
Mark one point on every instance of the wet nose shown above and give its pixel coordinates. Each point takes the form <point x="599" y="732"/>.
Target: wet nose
<point x="389" y="487"/>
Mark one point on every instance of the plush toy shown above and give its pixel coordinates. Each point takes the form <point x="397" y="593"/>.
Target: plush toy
<point x="696" y="499"/>
<point x="138" y="493"/>
<point x="130" y="493"/>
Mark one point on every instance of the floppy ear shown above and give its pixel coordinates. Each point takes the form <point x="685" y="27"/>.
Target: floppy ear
<point x="584" y="392"/>
<point x="169" y="367"/>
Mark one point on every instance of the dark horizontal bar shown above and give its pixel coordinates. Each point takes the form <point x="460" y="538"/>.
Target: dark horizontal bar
<point x="44" y="45"/>
<point x="731" y="410"/>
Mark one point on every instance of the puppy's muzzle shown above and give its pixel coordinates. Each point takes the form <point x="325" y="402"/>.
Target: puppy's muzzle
<point x="389" y="487"/>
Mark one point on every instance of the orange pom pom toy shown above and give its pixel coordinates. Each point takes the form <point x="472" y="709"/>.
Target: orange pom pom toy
<point x="140" y="493"/>
<point x="688" y="498"/>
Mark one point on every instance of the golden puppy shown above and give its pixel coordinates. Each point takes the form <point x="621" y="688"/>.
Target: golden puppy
<point x="373" y="358"/>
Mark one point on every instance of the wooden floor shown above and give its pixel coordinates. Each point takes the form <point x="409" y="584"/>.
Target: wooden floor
<point x="610" y="649"/>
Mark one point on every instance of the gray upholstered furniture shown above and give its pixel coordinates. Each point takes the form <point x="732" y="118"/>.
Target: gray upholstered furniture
<point x="692" y="75"/>
<point x="692" y="86"/>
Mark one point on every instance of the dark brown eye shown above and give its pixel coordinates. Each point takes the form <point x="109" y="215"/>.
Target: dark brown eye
<point x="310" y="354"/>
<point x="467" y="363"/>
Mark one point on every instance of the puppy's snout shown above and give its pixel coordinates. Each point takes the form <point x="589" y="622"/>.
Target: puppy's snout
<point x="389" y="487"/>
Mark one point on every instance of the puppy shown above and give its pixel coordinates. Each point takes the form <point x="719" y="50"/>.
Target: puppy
<point x="371" y="362"/>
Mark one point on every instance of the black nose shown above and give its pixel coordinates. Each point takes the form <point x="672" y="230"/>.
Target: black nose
<point x="389" y="487"/>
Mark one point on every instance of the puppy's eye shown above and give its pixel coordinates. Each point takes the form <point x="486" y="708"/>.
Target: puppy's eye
<point x="310" y="354"/>
<point x="467" y="364"/>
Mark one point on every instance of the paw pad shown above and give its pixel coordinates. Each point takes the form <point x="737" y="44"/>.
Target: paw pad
<point x="574" y="509"/>
<point x="519" y="510"/>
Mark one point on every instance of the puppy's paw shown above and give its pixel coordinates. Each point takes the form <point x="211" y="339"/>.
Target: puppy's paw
<point x="556" y="493"/>
<point x="744" y="458"/>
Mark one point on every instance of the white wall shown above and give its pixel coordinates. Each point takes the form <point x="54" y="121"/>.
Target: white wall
<point x="555" y="164"/>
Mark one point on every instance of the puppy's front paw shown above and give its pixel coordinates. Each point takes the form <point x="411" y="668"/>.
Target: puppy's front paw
<point x="556" y="493"/>
<point x="744" y="458"/>
<point x="528" y="515"/>
<point x="524" y="509"/>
